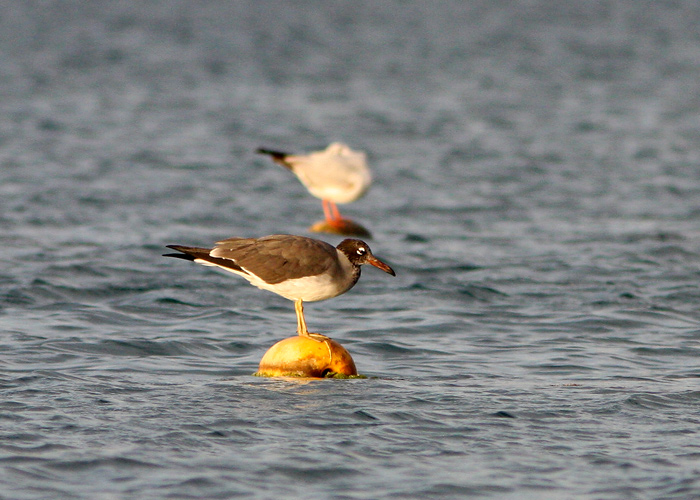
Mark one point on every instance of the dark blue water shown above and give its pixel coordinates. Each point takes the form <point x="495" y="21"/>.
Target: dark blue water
<point x="537" y="189"/>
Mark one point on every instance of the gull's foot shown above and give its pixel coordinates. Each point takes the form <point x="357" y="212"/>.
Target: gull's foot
<point x="318" y="337"/>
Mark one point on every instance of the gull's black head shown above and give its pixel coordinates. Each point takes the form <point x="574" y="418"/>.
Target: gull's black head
<point x="359" y="253"/>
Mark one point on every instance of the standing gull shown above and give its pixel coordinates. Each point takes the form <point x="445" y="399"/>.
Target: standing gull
<point x="295" y="267"/>
<point x="336" y="174"/>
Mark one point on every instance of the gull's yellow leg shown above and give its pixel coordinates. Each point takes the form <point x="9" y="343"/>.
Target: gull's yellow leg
<point x="301" y="322"/>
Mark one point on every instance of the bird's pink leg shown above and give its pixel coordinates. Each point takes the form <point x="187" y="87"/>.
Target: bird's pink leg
<point x="335" y="211"/>
<point x="336" y="223"/>
<point x="333" y="217"/>
<point x="327" y="211"/>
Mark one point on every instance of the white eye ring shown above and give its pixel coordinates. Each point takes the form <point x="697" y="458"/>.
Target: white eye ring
<point x="361" y="251"/>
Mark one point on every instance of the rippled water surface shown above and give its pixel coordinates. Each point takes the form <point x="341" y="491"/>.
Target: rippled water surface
<point x="537" y="189"/>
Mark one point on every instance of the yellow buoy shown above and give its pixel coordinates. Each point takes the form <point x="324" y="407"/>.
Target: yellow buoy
<point x="300" y="356"/>
<point x="344" y="227"/>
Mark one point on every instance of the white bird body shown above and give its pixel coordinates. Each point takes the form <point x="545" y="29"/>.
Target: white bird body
<point x="337" y="173"/>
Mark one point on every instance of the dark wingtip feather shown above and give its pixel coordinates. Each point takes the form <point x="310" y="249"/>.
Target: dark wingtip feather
<point x="278" y="157"/>
<point x="179" y="256"/>
<point x="272" y="152"/>
<point x="184" y="255"/>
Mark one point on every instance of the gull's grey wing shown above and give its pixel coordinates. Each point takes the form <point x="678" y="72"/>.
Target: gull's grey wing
<point x="277" y="258"/>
